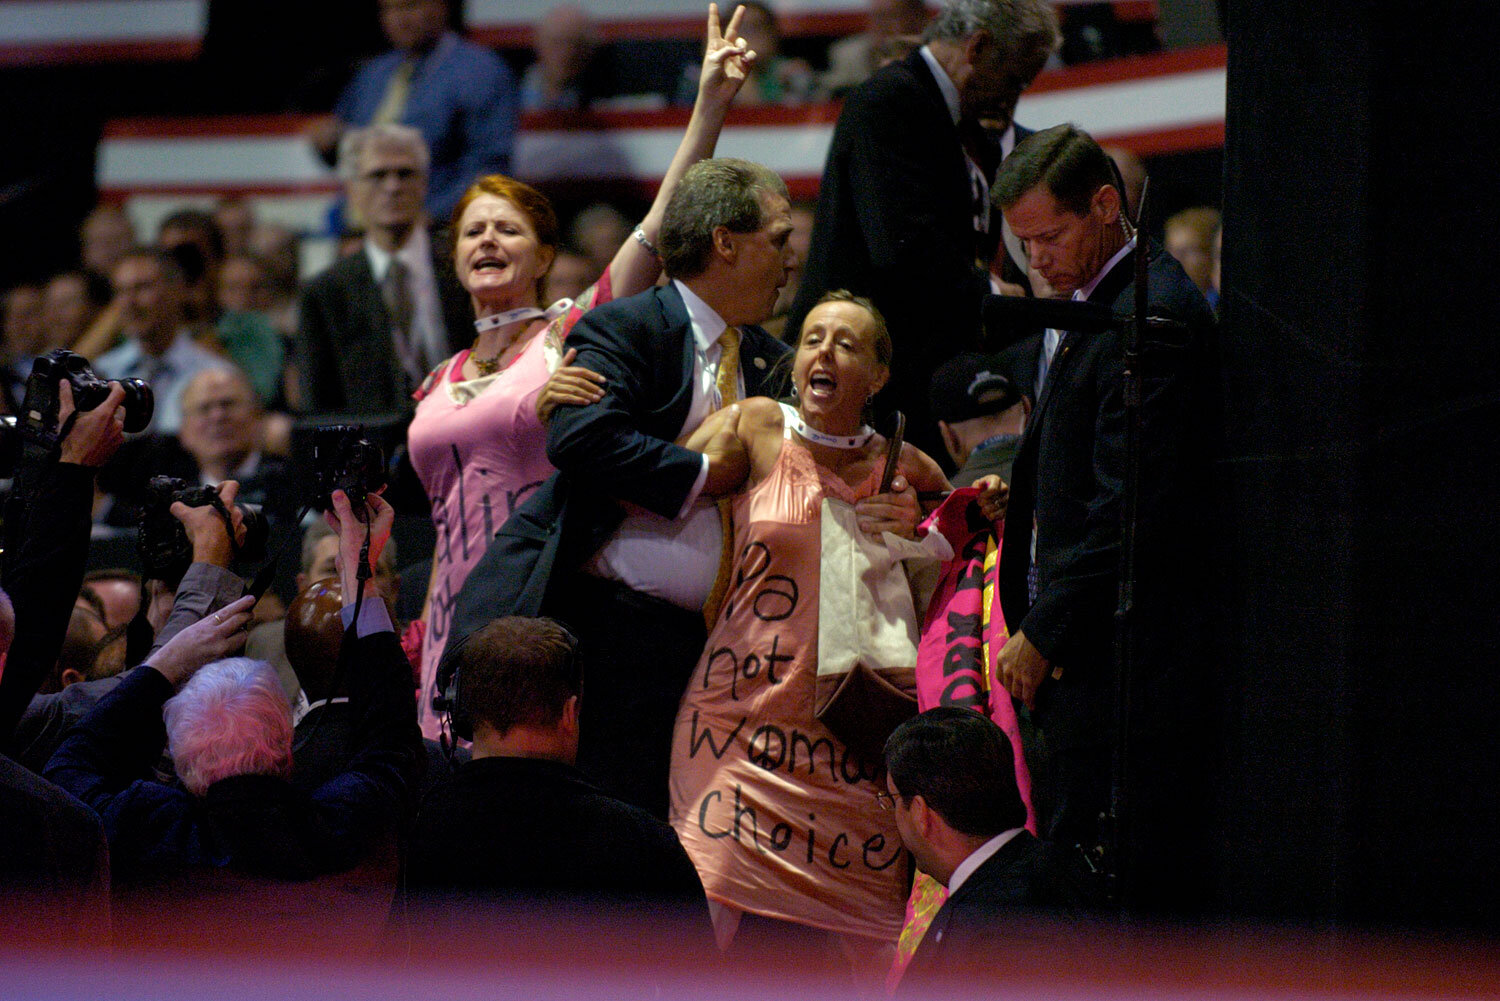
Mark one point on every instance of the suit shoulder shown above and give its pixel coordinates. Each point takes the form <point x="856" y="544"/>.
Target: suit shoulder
<point x="338" y="276"/>
<point x="471" y="55"/>
<point x="1173" y="292"/>
<point x="896" y="81"/>
<point x="761" y="340"/>
<point x="636" y="319"/>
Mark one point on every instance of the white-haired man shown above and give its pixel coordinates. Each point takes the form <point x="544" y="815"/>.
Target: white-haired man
<point x="374" y="324"/>
<point x="230" y="735"/>
<point x="903" y="208"/>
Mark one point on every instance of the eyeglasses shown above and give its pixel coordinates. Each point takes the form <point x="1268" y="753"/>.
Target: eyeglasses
<point x="380" y="175"/>
<point x="885" y="799"/>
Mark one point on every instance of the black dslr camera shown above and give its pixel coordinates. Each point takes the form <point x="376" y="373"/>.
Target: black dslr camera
<point x="33" y="434"/>
<point x="165" y="550"/>
<point x="344" y="459"/>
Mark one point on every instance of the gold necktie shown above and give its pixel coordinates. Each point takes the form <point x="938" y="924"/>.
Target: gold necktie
<point x="728" y="384"/>
<point x="393" y="103"/>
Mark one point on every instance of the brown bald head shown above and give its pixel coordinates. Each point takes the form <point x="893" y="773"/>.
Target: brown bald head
<point x="314" y="633"/>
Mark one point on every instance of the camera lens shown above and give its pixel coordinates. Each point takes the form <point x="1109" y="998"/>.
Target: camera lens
<point x="140" y="404"/>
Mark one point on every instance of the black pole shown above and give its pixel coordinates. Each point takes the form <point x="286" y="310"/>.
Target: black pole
<point x="1118" y="821"/>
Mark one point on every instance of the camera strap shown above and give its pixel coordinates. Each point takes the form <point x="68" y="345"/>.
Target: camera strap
<point x="261" y="582"/>
<point x="217" y="503"/>
<point x="62" y="431"/>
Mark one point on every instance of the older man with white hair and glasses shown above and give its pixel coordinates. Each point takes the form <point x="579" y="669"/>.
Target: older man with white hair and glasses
<point x="375" y="323"/>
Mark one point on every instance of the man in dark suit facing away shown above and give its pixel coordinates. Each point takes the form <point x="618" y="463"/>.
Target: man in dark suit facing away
<point x="904" y="210"/>
<point x="518" y="823"/>
<point x="375" y="323"/>
<point x="951" y="782"/>
<point x="1060" y="567"/>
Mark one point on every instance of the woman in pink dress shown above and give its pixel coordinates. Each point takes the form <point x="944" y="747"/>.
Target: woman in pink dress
<point x="777" y="813"/>
<point x="476" y="441"/>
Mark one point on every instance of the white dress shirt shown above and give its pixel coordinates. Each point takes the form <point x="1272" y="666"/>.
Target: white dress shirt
<point x="677" y="560"/>
<point x="167" y="374"/>
<point x="239" y="474"/>
<point x="981" y="855"/>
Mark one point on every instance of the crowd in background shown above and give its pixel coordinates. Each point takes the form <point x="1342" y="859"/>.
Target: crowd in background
<point x="246" y="356"/>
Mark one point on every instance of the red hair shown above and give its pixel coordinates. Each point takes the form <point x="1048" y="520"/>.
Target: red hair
<point x="532" y="203"/>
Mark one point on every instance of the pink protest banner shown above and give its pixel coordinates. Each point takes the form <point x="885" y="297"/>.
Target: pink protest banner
<point x="964" y="629"/>
<point x="961" y="638"/>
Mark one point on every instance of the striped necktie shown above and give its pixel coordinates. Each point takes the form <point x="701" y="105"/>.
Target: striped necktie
<point x="396" y="291"/>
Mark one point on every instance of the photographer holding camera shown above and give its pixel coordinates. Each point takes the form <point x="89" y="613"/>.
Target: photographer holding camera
<point x="229" y="732"/>
<point x="47" y="521"/>
<point x="51" y="847"/>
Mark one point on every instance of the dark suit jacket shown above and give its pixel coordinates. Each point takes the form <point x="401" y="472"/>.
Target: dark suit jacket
<point x="53" y="857"/>
<point x="617" y="449"/>
<point x="344" y="347"/>
<point x="895" y="222"/>
<point x="1069" y="474"/>
<point x="46" y="546"/>
<point x="529" y="826"/>
<point x="980" y="924"/>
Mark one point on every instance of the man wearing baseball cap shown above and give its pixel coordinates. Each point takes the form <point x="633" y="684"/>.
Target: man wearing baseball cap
<point x="981" y="411"/>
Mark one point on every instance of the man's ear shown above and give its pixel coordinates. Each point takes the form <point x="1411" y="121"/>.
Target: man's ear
<point x="724" y="245"/>
<point x="975" y="47"/>
<point x="1106" y="204"/>
<point x="547" y="256"/>
<point x="950" y="441"/>
<point x="922" y="816"/>
<point x="72" y="676"/>
<point x="570" y="714"/>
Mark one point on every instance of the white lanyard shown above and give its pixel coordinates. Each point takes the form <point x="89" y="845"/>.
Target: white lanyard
<point x="798" y="425"/>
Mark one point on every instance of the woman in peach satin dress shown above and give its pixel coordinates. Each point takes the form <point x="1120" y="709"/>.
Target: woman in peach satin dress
<point x="778" y="815"/>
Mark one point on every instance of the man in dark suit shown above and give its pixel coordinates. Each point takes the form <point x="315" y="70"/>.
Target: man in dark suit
<point x="374" y="324"/>
<point x="903" y="211"/>
<point x="951" y="782"/>
<point x="529" y="824"/>
<point x="1060" y="566"/>
<point x="219" y="440"/>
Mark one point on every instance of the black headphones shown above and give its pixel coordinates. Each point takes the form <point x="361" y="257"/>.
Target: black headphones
<point x="447" y="696"/>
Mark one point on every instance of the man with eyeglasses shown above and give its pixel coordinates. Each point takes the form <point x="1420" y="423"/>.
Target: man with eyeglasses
<point x="220" y="439"/>
<point x="373" y="325"/>
<point x="951" y="782"/>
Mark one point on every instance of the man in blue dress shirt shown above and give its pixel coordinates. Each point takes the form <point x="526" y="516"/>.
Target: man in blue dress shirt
<point x="459" y="95"/>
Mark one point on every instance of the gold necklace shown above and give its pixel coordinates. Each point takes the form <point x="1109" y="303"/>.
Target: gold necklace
<point x="491" y="365"/>
<point x="486" y="366"/>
